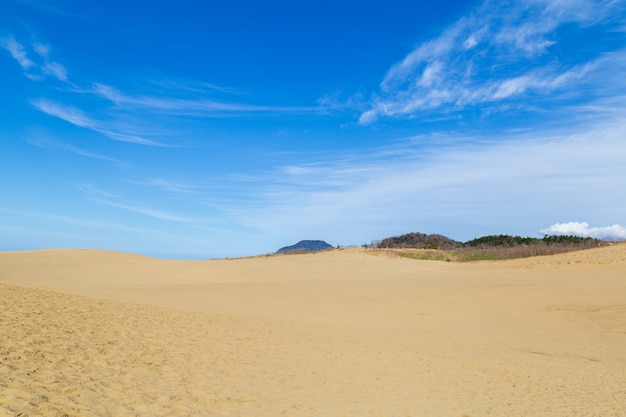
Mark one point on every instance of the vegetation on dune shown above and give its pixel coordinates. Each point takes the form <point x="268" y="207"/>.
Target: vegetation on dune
<point x="508" y="241"/>
<point x="419" y="241"/>
<point x="441" y="248"/>
<point x="492" y="247"/>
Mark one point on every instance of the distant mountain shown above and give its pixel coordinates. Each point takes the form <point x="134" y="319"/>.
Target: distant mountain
<point x="420" y="241"/>
<point x="306" y="246"/>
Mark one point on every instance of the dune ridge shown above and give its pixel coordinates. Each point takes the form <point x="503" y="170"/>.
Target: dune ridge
<point x="344" y="333"/>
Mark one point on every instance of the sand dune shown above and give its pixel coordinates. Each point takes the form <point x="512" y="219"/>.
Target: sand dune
<point x="340" y="333"/>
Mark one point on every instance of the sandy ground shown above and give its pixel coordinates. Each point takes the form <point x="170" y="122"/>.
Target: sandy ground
<point x="341" y="333"/>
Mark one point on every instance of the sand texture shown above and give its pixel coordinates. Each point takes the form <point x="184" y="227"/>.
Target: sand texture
<point x="339" y="333"/>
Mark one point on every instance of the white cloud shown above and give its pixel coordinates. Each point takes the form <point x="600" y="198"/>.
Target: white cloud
<point x="543" y="82"/>
<point x="528" y="36"/>
<point x="45" y="7"/>
<point x="503" y="184"/>
<point x="78" y="118"/>
<point x="513" y="86"/>
<point x="471" y="41"/>
<point x="195" y="86"/>
<point x="126" y="116"/>
<point x="17" y="51"/>
<point x="41" y="49"/>
<point x="69" y="114"/>
<point x="147" y="211"/>
<point x="34" y="70"/>
<point x="56" y="70"/>
<point x="96" y="192"/>
<point x="191" y="107"/>
<point x="582" y="229"/>
<point x="130" y="138"/>
<point x="498" y="53"/>
<point x="172" y="186"/>
<point x="48" y="144"/>
<point x="431" y="74"/>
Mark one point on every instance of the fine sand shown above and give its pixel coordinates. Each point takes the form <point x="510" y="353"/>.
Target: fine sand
<point x="340" y="333"/>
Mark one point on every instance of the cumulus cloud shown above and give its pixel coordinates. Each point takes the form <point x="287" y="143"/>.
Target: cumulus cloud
<point x="582" y="229"/>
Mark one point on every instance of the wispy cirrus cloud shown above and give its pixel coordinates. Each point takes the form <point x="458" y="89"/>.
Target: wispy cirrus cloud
<point x="148" y="211"/>
<point x="192" y="86"/>
<point x="41" y="67"/>
<point x="173" y="186"/>
<point x="70" y="114"/>
<point x="496" y="185"/>
<point x="500" y="52"/>
<point x="48" y="66"/>
<point x="200" y="107"/>
<point x="17" y="51"/>
<point x="53" y="144"/>
<point x="38" y="65"/>
<point x="154" y="114"/>
<point x="44" y="7"/>
<point x="119" y="200"/>
<point x="96" y="192"/>
<point x="79" y="118"/>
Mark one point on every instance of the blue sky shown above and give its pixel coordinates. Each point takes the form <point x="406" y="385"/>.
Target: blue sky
<point x="196" y="129"/>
